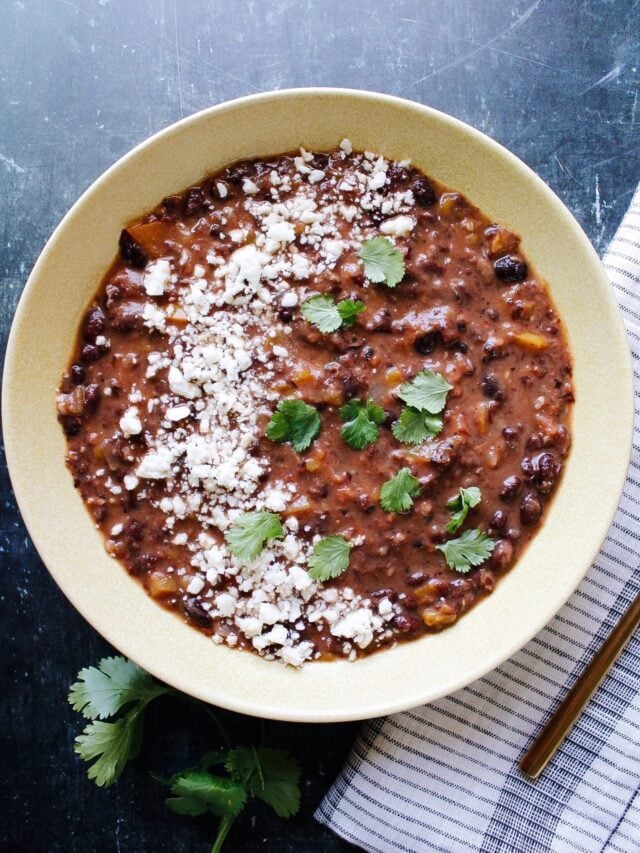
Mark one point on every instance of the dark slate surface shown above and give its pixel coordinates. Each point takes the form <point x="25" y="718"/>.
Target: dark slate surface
<point x="556" y="81"/>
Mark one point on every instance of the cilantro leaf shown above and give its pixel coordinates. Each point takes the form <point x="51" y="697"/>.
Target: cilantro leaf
<point x="270" y="774"/>
<point x="382" y="261"/>
<point x="196" y="792"/>
<point x="296" y="422"/>
<point x="329" y="558"/>
<point x="247" y="536"/>
<point x="325" y="315"/>
<point x="414" y="426"/>
<point x="112" y="744"/>
<point x="397" y="494"/>
<point x="460" y="505"/>
<point x="427" y="392"/>
<point x="349" y="310"/>
<point x="362" y="422"/>
<point x="471" y="549"/>
<point x="102" y="691"/>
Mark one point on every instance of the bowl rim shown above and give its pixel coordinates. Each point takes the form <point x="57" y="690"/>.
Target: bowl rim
<point x="246" y="704"/>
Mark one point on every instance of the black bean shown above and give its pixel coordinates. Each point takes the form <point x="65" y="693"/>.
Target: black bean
<point x="196" y="612"/>
<point x="510" y="488"/>
<point x="368" y="353"/>
<point x="534" y="441"/>
<point x="285" y="315"/>
<point x="70" y="426"/>
<point x="194" y="202"/>
<point x="416" y="579"/>
<point x="78" y="374"/>
<point x="502" y="555"/>
<point x="94" y="324"/>
<point x="510" y="434"/>
<point x="89" y="353"/>
<point x="237" y="173"/>
<point x="510" y="268"/>
<point x="381" y="321"/>
<point x="131" y="251"/>
<point x="530" y="509"/>
<point x="490" y="387"/>
<point x="498" y="521"/>
<point x="423" y="192"/>
<point x="379" y="594"/>
<point x="406" y="599"/>
<point x="425" y="344"/>
<point x="405" y="623"/>
<point x="543" y="470"/>
<point x="92" y="397"/>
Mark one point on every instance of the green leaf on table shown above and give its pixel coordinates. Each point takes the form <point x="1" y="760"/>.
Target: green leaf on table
<point x="270" y="774"/>
<point x="102" y="691"/>
<point x="112" y="744"/>
<point x="196" y="792"/>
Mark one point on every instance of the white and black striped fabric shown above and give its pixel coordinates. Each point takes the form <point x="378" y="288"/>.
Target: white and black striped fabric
<point x="445" y="776"/>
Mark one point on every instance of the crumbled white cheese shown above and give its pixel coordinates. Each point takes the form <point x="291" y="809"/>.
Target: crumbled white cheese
<point x="399" y="226"/>
<point x="156" y="277"/>
<point x="130" y="422"/>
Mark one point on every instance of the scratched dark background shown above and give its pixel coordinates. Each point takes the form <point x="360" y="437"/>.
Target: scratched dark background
<point x="82" y="82"/>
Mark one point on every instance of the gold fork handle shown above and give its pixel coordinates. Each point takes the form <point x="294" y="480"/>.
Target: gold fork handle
<point x="545" y="745"/>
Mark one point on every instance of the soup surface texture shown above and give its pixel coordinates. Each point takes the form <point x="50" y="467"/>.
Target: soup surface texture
<point x="318" y="404"/>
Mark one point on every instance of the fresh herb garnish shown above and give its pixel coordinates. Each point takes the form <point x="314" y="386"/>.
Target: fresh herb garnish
<point x="329" y="558"/>
<point x="427" y="392"/>
<point x="101" y="693"/>
<point x="460" y="505"/>
<point x="382" y="261"/>
<point x="414" y="426"/>
<point x="294" y="421"/>
<point x="397" y="494"/>
<point x="470" y="549"/>
<point x="250" y="532"/>
<point x="361" y="423"/>
<point x="325" y="315"/>
<point x="271" y="775"/>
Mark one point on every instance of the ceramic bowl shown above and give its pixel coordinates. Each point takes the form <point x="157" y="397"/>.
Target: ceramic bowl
<point x="65" y="278"/>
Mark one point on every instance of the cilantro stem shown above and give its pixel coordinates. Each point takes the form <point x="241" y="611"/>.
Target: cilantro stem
<point x="211" y="714"/>
<point x="223" y="830"/>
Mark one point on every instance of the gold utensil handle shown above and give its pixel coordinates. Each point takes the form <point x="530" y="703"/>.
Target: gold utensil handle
<point x="545" y="745"/>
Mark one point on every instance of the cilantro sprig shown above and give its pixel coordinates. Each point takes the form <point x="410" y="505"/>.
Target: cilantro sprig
<point x="251" y="531"/>
<point x="414" y="426"/>
<point x="459" y="506"/>
<point x="382" y="261"/>
<point x="103" y="692"/>
<point x="397" y="494"/>
<point x="270" y="775"/>
<point x="327" y="316"/>
<point x="361" y="423"/>
<point x="329" y="558"/>
<point x="469" y="550"/>
<point x="427" y="392"/>
<point x="294" y="421"/>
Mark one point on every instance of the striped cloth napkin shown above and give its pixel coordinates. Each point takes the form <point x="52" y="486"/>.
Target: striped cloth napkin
<point x="445" y="776"/>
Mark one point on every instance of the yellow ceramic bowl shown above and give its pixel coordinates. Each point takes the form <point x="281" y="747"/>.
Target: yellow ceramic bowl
<point x="66" y="276"/>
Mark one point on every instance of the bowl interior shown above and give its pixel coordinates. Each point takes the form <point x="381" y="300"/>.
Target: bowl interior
<point x="67" y="275"/>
